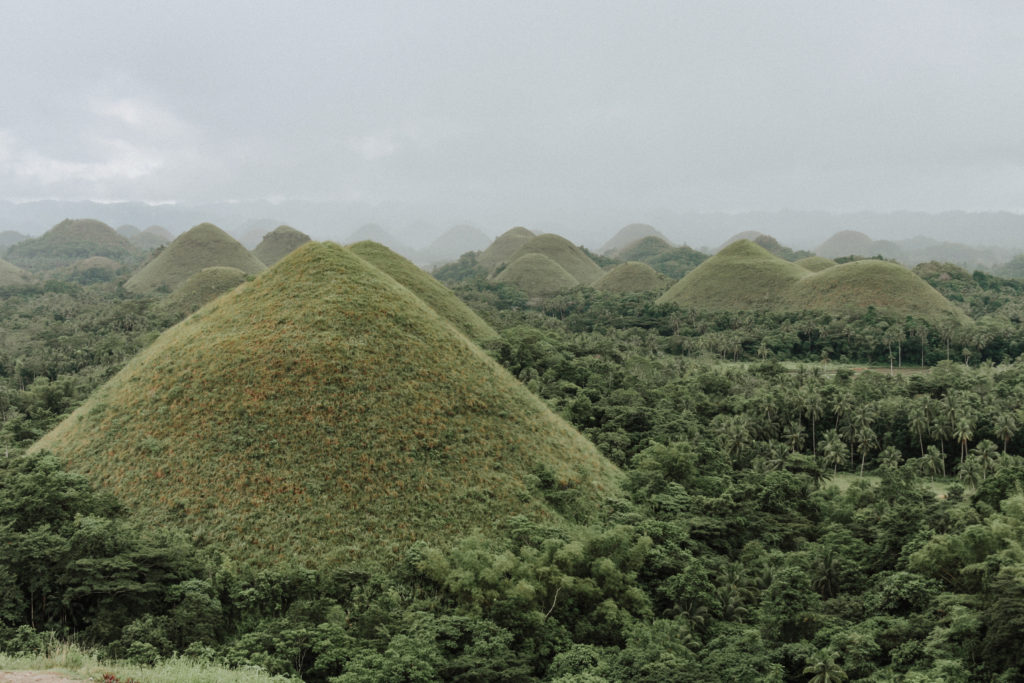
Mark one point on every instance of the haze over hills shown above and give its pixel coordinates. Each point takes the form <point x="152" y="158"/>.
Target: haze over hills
<point x="628" y="235"/>
<point x="632" y="276"/>
<point x="324" y="414"/>
<point x="504" y="246"/>
<point x="70" y="241"/>
<point x="564" y="253"/>
<point x="203" y="246"/>
<point x="12" y="276"/>
<point x="201" y="288"/>
<point x="453" y="243"/>
<point x="278" y="243"/>
<point x="537" y="275"/>
<point x="910" y="252"/>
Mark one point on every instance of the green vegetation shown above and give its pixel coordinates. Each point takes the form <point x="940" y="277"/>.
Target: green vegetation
<point x="564" y="253"/>
<point x="742" y="276"/>
<point x="501" y="250"/>
<point x="333" y="417"/>
<point x="429" y="290"/>
<point x="200" y="289"/>
<point x="846" y="243"/>
<point x="152" y="237"/>
<point x="70" y="241"/>
<point x="815" y="264"/>
<point x="278" y="243"/>
<point x="12" y="276"/>
<point x="203" y="246"/>
<point x="630" y="234"/>
<point x="537" y="275"/>
<point x="675" y="262"/>
<point x="632" y="276"/>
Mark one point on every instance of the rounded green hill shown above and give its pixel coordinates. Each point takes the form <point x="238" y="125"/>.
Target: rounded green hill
<point x="322" y="415"/>
<point x="630" y="234"/>
<point x="632" y="276"/>
<point x="278" y="243"/>
<point x="501" y="250"/>
<point x="423" y="285"/>
<point x="537" y="275"/>
<point x="815" y="264"/>
<point x="742" y="276"/>
<point x="152" y="237"/>
<point x="70" y="241"/>
<point x="12" y="276"/>
<point x="201" y="247"/>
<point x="564" y="253"/>
<point x="846" y="243"/>
<point x="643" y="248"/>
<point x="853" y="287"/>
<point x="202" y="288"/>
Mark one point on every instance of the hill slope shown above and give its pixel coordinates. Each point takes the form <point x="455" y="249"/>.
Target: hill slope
<point x="815" y="263"/>
<point x="564" y="253"/>
<point x="423" y="285"/>
<point x="453" y="243"/>
<point x="278" y="243"/>
<point x="501" y="250"/>
<point x="152" y="237"/>
<point x="632" y="276"/>
<point x="537" y="275"/>
<point x="11" y="275"/>
<point x="202" y="288"/>
<point x="847" y="243"/>
<point x="203" y="246"/>
<point x="742" y="276"/>
<point x="70" y="241"/>
<point x="323" y="414"/>
<point x="629" y="234"/>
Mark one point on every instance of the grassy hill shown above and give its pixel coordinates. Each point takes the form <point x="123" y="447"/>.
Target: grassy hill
<point x="201" y="288"/>
<point x="278" y="243"/>
<point x="846" y="243"/>
<point x="564" y="253"/>
<point x="453" y="243"/>
<point x="70" y="241"/>
<point x="503" y="247"/>
<point x="852" y="287"/>
<point x="632" y="276"/>
<point x="673" y="262"/>
<point x="152" y="237"/>
<point x="423" y="285"/>
<point x="742" y="276"/>
<point x="537" y="275"/>
<point x="629" y="234"/>
<point x="12" y="276"/>
<point x="815" y="263"/>
<point x="201" y="247"/>
<point x="323" y="415"/>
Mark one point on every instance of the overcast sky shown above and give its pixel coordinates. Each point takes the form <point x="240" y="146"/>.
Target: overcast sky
<point x="499" y="109"/>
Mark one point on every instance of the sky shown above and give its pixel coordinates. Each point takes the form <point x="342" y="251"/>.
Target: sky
<point x="496" y="111"/>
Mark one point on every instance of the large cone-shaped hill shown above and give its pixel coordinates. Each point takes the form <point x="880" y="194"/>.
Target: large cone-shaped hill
<point x="742" y="276"/>
<point x="429" y="290"/>
<point x="12" y="276"/>
<point x="539" y="276"/>
<point x="852" y="287"/>
<point x="201" y="288"/>
<point x="201" y="247"/>
<point x="152" y="237"/>
<point x="70" y="241"/>
<point x="501" y="250"/>
<point x="632" y="276"/>
<point x="629" y="234"/>
<point x="846" y="243"/>
<point x="564" y="253"/>
<point x="323" y="414"/>
<point x="278" y="243"/>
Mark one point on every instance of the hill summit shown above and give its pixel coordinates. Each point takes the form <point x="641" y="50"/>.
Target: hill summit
<point x="564" y="253"/>
<point x="323" y="414"/>
<point x="70" y="241"/>
<point x="278" y="243"/>
<point x="203" y="246"/>
<point x="501" y="249"/>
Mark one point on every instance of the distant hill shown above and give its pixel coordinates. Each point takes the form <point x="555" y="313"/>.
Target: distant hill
<point x="201" y="288"/>
<point x="127" y="231"/>
<point x="452" y="244"/>
<point x="673" y="262"/>
<point x="94" y="269"/>
<point x="846" y="243"/>
<point x="8" y="238"/>
<point x="278" y="243"/>
<point x="632" y="276"/>
<point x="203" y="246"/>
<point x="13" y="276"/>
<point x="429" y="290"/>
<point x="537" y="275"/>
<point x="70" y="241"/>
<point x="323" y="416"/>
<point x="742" y="276"/>
<point x="815" y="263"/>
<point x="749" y="235"/>
<point x="628" y="235"/>
<point x="252" y="231"/>
<point x="501" y="250"/>
<point x="911" y="252"/>
<point x="564" y="253"/>
<point x="152" y="237"/>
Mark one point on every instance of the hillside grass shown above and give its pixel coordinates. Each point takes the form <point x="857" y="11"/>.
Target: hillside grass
<point x="427" y="288"/>
<point x="501" y="250"/>
<point x="13" y="276"/>
<point x="201" y="288"/>
<point x="537" y="275"/>
<point x="564" y="253"/>
<point x="844" y="480"/>
<point x="203" y="246"/>
<point x="815" y="264"/>
<point x="630" y="234"/>
<point x="632" y="276"/>
<point x="278" y="243"/>
<point x="70" y="241"/>
<point x="322" y="414"/>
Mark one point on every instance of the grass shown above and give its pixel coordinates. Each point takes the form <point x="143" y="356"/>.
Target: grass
<point x="203" y="246"/>
<point x="201" y="288"/>
<point x="564" y="253"/>
<point x="675" y="262"/>
<point x="11" y="275"/>
<point x="429" y="290"/>
<point x="843" y="481"/>
<point x="70" y="241"/>
<point x="278" y="243"/>
<point x="846" y="243"/>
<point x="323" y="414"/>
<point x="815" y="264"/>
<point x="629" y="235"/>
<point x="69" y="661"/>
<point x="539" y="276"/>
<point x="501" y="250"/>
<point x="632" y="277"/>
<point x="152" y="237"/>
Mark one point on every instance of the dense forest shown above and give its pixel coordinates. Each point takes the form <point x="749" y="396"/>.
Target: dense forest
<point x="807" y="497"/>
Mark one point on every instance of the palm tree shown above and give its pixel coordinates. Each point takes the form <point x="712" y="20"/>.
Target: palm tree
<point x="934" y="461"/>
<point x="971" y="473"/>
<point x="794" y="435"/>
<point x="986" y="453"/>
<point x="814" y="407"/>
<point x="964" y="431"/>
<point x="1005" y="425"/>
<point x="823" y="668"/>
<point x="917" y="419"/>
<point x="866" y="440"/>
<point x="833" y="449"/>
